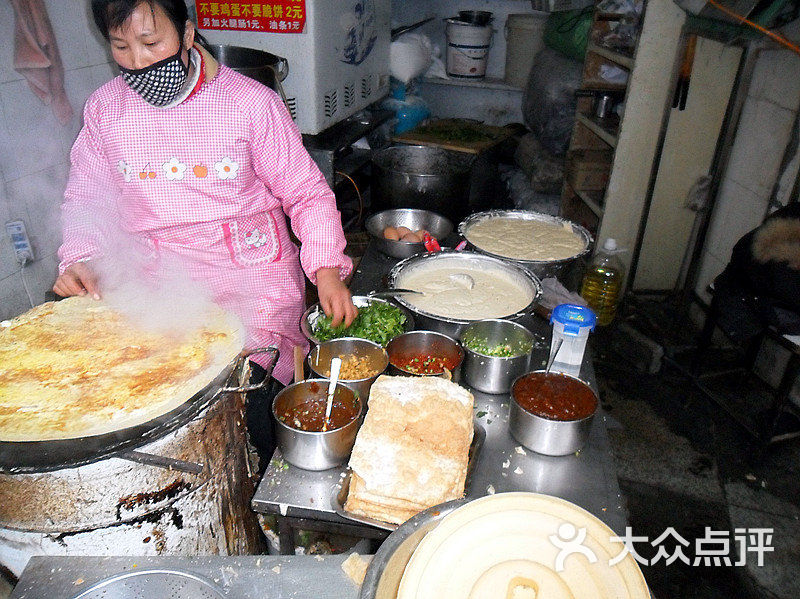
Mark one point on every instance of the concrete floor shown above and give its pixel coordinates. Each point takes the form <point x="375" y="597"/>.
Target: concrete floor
<point x="683" y="463"/>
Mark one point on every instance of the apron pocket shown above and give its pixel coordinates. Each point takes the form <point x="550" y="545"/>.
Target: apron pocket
<point x="253" y="240"/>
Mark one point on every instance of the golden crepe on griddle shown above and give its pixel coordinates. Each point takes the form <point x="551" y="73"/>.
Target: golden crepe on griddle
<point x="412" y="450"/>
<point x="77" y="368"/>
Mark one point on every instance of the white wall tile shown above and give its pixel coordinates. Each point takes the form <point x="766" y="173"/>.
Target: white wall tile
<point x="776" y="78"/>
<point x="7" y="72"/>
<point x="40" y="277"/>
<point x="103" y="73"/>
<point x="70" y="21"/>
<point x="79" y="84"/>
<point x="737" y="211"/>
<point x="760" y="143"/>
<point x="41" y="193"/>
<point x="13" y="299"/>
<point x="35" y="138"/>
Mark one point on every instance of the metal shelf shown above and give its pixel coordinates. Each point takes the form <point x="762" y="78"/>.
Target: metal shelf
<point x="485" y="83"/>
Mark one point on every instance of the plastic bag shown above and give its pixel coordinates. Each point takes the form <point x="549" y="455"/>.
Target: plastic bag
<point x="549" y="102"/>
<point x="410" y="56"/>
<point x="568" y="32"/>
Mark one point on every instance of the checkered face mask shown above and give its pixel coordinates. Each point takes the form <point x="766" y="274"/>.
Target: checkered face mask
<point x="161" y="82"/>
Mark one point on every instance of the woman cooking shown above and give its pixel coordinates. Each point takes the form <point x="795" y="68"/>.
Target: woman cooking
<point x="191" y="159"/>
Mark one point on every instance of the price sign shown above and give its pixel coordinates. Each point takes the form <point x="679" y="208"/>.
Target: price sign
<point x="278" y="16"/>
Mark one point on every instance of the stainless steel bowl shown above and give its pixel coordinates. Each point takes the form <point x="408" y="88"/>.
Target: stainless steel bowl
<point x="319" y="360"/>
<point x="453" y="326"/>
<point x="565" y="270"/>
<point x="315" y="450"/>
<point x="546" y="436"/>
<point x="310" y="316"/>
<point x="414" y="219"/>
<point x="425" y="342"/>
<point x="494" y="374"/>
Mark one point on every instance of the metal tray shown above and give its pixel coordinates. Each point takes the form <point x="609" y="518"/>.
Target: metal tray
<point x="339" y="495"/>
<point x="20" y="457"/>
<point x="174" y="584"/>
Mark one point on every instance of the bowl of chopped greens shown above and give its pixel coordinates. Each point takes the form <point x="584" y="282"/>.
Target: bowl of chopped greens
<point x="378" y="320"/>
<point x="497" y="352"/>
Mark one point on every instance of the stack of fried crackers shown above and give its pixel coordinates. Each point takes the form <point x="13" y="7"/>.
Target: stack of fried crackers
<point x="412" y="450"/>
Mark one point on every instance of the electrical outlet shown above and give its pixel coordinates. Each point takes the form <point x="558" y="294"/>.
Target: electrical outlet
<point x="19" y="239"/>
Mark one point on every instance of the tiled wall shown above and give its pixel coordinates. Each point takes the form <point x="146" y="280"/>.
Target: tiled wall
<point x="764" y="130"/>
<point x="34" y="147"/>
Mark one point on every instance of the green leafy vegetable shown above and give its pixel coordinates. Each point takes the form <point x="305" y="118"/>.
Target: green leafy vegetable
<point x="379" y="322"/>
<point x="497" y="350"/>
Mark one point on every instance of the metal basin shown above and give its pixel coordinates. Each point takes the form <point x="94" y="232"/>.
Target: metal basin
<point x="319" y="360"/>
<point x="313" y="313"/>
<point x="566" y="270"/>
<point x="454" y="326"/>
<point x="494" y="374"/>
<point x="546" y="436"/>
<point x="411" y="218"/>
<point x="153" y="583"/>
<point x="312" y="450"/>
<point x="422" y="177"/>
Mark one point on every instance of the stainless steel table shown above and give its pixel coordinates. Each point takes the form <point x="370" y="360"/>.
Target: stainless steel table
<point x="302" y="499"/>
<point x="244" y="577"/>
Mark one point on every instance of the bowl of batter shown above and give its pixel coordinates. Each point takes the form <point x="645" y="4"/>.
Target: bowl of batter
<point x="548" y="246"/>
<point x="459" y="288"/>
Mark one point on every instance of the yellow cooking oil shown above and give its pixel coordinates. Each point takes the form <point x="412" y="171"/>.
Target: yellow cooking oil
<point x="602" y="283"/>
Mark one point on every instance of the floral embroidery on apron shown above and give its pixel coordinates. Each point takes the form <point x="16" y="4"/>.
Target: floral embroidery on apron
<point x="253" y="240"/>
<point x="174" y="169"/>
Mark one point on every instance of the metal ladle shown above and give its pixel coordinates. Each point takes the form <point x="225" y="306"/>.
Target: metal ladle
<point x="336" y="366"/>
<point x="391" y="293"/>
<point x="462" y="279"/>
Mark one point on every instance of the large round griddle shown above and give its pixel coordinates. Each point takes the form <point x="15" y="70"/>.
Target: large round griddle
<point x="22" y="457"/>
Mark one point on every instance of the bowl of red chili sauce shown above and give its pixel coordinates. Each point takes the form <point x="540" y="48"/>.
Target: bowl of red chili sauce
<point x="299" y="410"/>
<point x="551" y="413"/>
<point x="425" y="353"/>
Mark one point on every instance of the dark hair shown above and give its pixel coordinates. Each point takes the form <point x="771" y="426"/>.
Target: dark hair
<point x="110" y="14"/>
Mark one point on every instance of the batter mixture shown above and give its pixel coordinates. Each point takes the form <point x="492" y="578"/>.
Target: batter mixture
<point x="448" y="294"/>
<point x="526" y="239"/>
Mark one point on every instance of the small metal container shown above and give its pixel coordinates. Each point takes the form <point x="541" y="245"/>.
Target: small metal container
<point x="319" y="360"/>
<point x="315" y="450"/>
<point x="414" y="219"/>
<point x="546" y="436"/>
<point x="425" y="342"/>
<point x="494" y="374"/>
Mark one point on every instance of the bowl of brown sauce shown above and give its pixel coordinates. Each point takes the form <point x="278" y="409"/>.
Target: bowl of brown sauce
<point x="299" y="410"/>
<point x="551" y="413"/>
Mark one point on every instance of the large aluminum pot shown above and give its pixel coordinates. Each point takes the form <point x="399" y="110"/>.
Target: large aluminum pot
<point x="422" y="177"/>
<point x="546" y="436"/>
<point x="567" y="270"/>
<point x="454" y="326"/>
<point x="264" y="67"/>
<point x="315" y="450"/>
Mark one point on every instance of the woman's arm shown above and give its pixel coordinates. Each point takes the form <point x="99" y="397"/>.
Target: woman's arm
<point x="285" y="166"/>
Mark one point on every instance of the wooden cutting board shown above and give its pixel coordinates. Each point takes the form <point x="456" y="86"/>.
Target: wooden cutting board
<point x="460" y="135"/>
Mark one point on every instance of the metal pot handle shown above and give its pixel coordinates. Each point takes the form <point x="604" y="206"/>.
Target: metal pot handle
<point x="245" y="357"/>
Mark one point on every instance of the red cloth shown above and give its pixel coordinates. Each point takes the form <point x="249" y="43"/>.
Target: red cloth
<point x="36" y="56"/>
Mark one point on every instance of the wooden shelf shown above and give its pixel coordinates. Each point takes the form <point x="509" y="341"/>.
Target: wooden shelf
<point x="607" y="135"/>
<point x="485" y="83"/>
<point x="608" y="53"/>
<point x="592" y="199"/>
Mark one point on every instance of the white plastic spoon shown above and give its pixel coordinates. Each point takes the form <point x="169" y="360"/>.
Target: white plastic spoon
<point x="336" y="366"/>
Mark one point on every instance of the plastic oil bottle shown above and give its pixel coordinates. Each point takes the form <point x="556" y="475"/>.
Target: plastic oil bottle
<point x="602" y="283"/>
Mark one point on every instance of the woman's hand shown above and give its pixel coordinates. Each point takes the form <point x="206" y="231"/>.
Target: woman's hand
<point x="77" y="279"/>
<point x="334" y="297"/>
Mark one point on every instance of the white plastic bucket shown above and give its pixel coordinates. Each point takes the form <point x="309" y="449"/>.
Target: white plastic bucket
<point x="524" y="39"/>
<point x="467" y="49"/>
